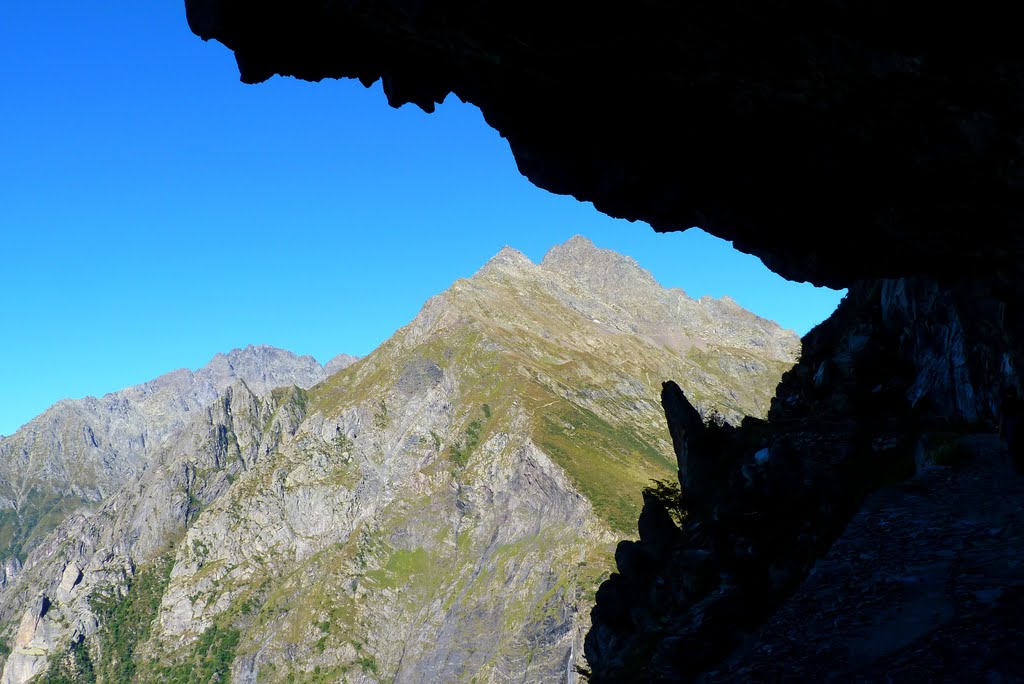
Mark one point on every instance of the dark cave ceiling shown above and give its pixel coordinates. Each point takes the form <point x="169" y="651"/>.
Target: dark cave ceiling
<point x="834" y="140"/>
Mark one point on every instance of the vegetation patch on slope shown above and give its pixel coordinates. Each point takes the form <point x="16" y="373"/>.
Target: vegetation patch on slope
<point x="126" y="620"/>
<point x="38" y="514"/>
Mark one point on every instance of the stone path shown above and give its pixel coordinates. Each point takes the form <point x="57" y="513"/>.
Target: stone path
<point x="925" y="585"/>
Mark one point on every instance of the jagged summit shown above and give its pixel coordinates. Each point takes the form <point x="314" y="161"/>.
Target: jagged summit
<point x="609" y="288"/>
<point x="604" y="272"/>
<point x="597" y="268"/>
<point x="577" y="258"/>
<point x="79" y="451"/>
<point x="264" y="367"/>
<point x="577" y="244"/>
<point x="507" y="259"/>
<point x="577" y="250"/>
<point x="258" y="351"/>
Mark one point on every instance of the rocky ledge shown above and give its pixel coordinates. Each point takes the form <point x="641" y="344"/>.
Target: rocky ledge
<point x="834" y="140"/>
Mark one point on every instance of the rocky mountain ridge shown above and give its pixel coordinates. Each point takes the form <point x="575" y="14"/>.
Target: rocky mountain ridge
<point x="441" y="510"/>
<point x="80" y="451"/>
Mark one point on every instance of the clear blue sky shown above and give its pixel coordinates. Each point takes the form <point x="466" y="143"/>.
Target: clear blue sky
<point x="155" y="211"/>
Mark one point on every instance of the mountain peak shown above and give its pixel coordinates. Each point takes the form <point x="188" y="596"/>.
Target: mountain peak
<point x="263" y="368"/>
<point x="511" y="256"/>
<point x="579" y="253"/>
<point x="258" y="351"/>
<point x="576" y="248"/>
<point x="601" y="270"/>
<point x="580" y="242"/>
<point x="506" y="259"/>
<point x="339" y="362"/>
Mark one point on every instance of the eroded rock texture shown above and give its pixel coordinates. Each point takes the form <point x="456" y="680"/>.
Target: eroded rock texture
<point x="834" y="140"/>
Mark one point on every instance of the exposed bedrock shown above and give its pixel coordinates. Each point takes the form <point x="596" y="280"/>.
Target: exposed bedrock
<point x="890" y="386"/>
<point x="834" y="140"/>
<point x="910" y="350"/>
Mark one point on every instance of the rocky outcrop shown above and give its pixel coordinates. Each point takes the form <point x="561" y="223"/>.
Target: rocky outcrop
<point x="836" y="142"/>
<point x="32" y="644"/>
<point x="911" y="349"/>
<point x="698" y="469"/>
<point x="95" y="555"/>
<point x="8" y="571"/>
<point x="758" y="514"/>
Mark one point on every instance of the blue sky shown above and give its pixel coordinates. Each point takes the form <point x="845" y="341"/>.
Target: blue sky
<point x="155" y="211"/>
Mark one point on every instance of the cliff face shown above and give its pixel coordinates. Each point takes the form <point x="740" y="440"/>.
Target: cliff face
<point x="442" y="510"/>
<point x="908" y="348"/>
<point x="77" y="453"/>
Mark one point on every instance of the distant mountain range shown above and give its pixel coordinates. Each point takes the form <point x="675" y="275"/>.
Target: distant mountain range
<point x="441" y="510"/>
<point x="80" y="450"/>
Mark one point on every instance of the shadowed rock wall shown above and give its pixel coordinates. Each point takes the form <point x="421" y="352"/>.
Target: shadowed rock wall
<point x="891" y="385"/>
<point x="833" y="140"/>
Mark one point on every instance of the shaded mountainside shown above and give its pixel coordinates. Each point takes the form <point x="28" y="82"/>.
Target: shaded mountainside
<point x="925" y="584"/>
<point x="900" y="378"/>
<point x="441" y="510"/>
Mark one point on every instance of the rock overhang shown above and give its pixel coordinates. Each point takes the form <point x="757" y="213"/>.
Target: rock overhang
<point x="836" y="141"/>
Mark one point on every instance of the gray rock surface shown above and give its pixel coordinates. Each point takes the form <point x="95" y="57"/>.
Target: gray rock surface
<point x="80" y="451"/>
<point x="32" y="644"/>
<point x="339" y="362"/>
